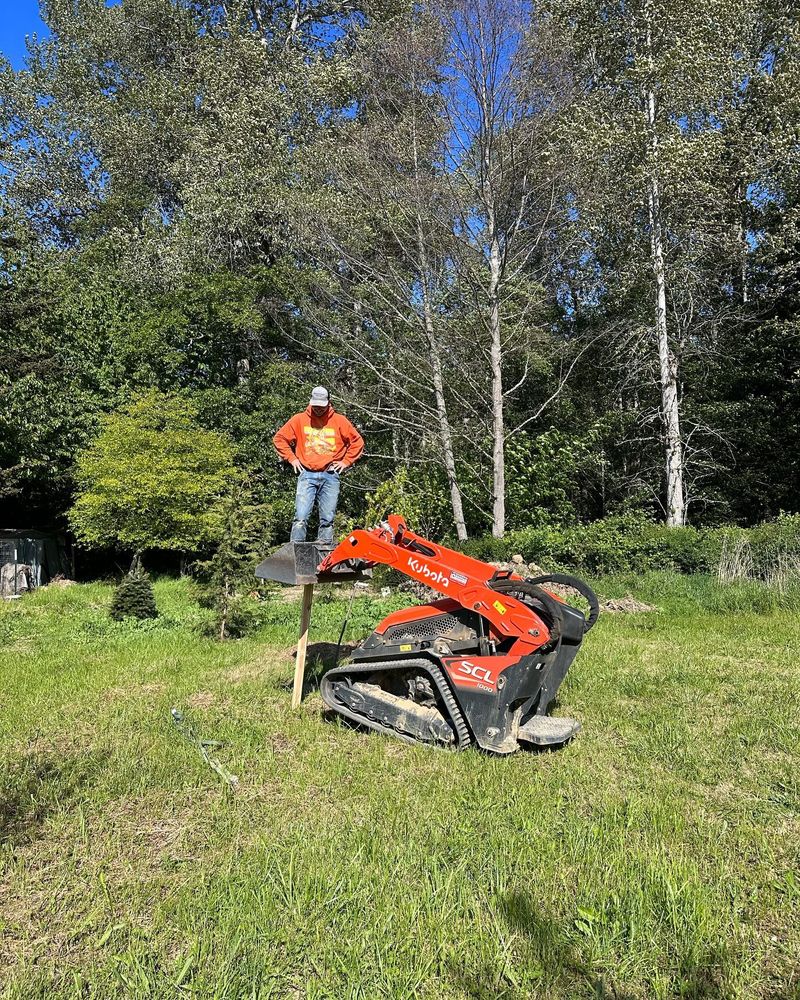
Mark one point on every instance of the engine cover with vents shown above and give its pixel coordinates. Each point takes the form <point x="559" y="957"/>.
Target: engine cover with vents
<point x="427" y="626"/>
<point x="437" y="626"/>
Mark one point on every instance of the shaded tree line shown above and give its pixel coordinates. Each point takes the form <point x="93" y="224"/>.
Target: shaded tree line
<point x="545" y="255"/>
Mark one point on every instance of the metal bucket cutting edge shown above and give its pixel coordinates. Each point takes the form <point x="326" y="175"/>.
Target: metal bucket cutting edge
<point x="296" y="563"/>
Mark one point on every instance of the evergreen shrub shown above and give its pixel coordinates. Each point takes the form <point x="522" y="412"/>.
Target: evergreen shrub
<point x="226" y="580"/>
<point x="134" y="598"/>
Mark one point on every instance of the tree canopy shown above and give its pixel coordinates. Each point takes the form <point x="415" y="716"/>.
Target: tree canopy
<point x="545" y="256"/>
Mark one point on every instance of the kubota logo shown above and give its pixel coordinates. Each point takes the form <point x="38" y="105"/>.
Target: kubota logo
<point x="431" y="574"/>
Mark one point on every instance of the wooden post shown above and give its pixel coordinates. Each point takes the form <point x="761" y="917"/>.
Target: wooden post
<point x="302" y="644"/>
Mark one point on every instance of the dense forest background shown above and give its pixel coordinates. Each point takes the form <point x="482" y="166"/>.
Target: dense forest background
<point x="545" y="256"/>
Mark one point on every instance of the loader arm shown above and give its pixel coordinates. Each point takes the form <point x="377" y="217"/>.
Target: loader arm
<point x="453" y="574"/>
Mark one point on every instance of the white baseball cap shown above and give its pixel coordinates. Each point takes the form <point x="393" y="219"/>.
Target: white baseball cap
<point x="319" y="396"/>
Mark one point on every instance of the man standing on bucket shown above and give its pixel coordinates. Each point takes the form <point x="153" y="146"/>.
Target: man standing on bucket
<point x="319" y="444"/>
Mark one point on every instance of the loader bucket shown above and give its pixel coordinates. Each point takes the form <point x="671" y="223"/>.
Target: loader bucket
<point x="296" y="563"/>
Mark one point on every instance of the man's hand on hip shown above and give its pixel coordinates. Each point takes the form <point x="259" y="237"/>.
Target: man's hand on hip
<point x="297" y="466"/>
<point x="337" y="467"/>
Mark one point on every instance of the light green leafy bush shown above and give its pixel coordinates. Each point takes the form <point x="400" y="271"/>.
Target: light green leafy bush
<point x="153" y="478"/>
<point x="631" y="543"/>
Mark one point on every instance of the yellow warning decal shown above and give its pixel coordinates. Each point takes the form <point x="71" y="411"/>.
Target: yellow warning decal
<point x="406" y="648"/>
<point x="500" y="607"/>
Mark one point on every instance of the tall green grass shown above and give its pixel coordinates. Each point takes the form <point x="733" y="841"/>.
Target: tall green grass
<point x="656" y="856"/>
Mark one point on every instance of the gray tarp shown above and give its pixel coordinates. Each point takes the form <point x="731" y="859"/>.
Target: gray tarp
<point x="42" y="554"/>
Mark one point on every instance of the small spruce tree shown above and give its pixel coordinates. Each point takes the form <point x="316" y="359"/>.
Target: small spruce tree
<point x="134" y="596"/>
<point x="227" y="578"/>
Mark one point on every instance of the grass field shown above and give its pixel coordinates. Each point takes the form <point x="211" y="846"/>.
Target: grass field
<point x="656" y="856"/>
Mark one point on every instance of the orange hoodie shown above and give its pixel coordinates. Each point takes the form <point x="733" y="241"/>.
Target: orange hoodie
<point x="318" y="441"/>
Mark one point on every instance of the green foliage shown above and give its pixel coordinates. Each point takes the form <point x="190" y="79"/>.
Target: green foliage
<point x="631" y="543"/>
<point x="124" y="268"/>
<point x="227" y="580"/>
<point x="58" y="372"/>
<point x="248" y="413"/>
<point x="153" y="478"/>
<point x="134" y="598"/>
<point x="544" y="473"/>
<point x="395" y="495"/>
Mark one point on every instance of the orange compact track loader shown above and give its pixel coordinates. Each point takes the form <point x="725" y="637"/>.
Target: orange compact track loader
<point x="479" y="667"/>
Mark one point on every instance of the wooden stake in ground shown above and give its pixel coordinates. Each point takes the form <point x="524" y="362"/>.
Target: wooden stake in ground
<point x="302" y="644"/>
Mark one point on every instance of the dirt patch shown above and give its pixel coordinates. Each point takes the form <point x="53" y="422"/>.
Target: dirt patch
<point x="628" y="603"/>
<point x="135" y="836"/>
<point x="149" y="827"/>
<point x="530" y="571"/>
<point x="201" y="699"/>
<point x="281" y="743"/>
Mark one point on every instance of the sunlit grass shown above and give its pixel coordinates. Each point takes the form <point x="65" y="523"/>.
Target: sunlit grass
<point x="656" y="856"/>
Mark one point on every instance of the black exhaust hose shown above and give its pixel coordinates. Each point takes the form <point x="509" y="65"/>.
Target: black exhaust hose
<point x="576" y="584"/>
<point x="549" y="607"/>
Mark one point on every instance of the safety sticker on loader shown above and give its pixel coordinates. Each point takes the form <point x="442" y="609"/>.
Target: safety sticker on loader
<point x="500" y="607"/>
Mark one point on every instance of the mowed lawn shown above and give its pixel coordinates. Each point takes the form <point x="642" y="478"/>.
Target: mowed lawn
<point x="656" y="856"/>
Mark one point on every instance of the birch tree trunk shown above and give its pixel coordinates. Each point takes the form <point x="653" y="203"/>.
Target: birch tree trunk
<point x="668" y="369"/>
<point x="488" y="100"/>
<point x="498" y="417"/>
<point x="667" y="360"/>
<point x="741" y="234"/>
<point x="445" y="431"/>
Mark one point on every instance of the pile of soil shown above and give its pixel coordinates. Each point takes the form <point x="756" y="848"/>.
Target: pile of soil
<point x="518" y="565"/>
<point x="628" y="603"/>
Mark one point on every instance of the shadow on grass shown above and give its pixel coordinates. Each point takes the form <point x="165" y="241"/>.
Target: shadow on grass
<point x="324" y="656"/>
<point x="320" y="657"/>
<point x="547" y="962"/>
<point x="38" y="784"/>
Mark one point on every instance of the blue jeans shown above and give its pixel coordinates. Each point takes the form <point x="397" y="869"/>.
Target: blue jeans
<point x="324" y="488"/>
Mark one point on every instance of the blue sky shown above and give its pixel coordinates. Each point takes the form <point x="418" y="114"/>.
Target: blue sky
<point x="18" y="18"/>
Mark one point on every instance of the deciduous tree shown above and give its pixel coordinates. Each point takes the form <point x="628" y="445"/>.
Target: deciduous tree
<point x="152" y="479"/>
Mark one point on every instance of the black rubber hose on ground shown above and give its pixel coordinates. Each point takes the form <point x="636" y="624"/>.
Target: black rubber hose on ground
<point x="576" y="584"/>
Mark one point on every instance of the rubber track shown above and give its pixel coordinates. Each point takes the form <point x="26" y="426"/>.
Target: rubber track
<point x="463" y="735"/>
